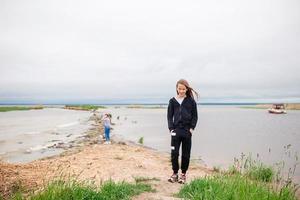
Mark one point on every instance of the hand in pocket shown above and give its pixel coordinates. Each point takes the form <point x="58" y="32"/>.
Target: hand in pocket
<point x="173" y="133"/>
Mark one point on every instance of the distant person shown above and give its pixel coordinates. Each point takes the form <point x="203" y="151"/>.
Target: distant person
<point x="107" y="125"/>
<point x="182" y="119"/>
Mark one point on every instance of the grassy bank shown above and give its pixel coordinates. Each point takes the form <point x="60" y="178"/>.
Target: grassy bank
<point x="83" y="107"/>
<point x="233" y="187"/>
<point x="65" y="190"/>
<point x="247" y="179"/>
<point x="145" y="107"/>
<point x="14" y="108"/>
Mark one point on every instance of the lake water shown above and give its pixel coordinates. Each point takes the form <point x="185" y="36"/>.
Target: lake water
<point x="222" y="133"/>
<point x="25" y="135"/>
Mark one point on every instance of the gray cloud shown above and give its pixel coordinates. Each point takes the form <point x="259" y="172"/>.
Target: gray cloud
<point x="139" y="49"/>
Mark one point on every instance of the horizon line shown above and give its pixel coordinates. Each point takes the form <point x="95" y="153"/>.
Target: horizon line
<point x="135" y="103"/>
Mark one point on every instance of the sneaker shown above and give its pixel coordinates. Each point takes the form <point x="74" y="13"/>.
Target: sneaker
<point x="182" y="179"/>
<point x="173" y="178"/>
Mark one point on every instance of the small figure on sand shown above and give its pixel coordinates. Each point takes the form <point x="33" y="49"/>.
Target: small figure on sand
<point x="107" y="125"/>
<point x="182" y="119"/>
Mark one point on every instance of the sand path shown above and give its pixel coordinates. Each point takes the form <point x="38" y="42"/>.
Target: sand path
<point x="98" y="163"/>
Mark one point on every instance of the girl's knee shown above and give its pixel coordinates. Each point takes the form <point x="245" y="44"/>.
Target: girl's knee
<point x="174" y="154"/>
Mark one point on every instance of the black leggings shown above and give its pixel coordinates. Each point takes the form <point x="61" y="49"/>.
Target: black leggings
<point x="183" y="137"/>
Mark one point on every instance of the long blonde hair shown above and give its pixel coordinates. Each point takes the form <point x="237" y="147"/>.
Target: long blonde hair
<point x="189" y="91"/>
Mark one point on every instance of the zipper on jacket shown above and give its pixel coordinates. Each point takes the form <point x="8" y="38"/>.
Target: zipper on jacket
<point x="180" y="111"/>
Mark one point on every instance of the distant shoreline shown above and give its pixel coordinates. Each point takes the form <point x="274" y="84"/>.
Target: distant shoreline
<point x="136" y="103"/>
<point x="20" y="108"/>
<point x="90" y="107"/>
<point x="288" y="106"/>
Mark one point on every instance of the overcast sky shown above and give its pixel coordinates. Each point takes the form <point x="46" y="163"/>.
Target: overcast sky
<point x="235" y="51"/>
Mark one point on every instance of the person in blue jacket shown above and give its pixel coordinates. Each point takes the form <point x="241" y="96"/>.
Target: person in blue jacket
<point x="182" y="119"/>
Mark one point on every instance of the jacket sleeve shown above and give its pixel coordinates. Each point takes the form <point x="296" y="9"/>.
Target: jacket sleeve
<point x="170" y="115"/>
<point x="194" y="115"/>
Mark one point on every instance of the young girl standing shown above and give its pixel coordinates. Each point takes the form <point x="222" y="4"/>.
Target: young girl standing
<point x="182" y="119"/>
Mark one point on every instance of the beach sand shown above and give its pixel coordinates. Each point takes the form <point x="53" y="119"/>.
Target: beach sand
<point x="97" y="162"/>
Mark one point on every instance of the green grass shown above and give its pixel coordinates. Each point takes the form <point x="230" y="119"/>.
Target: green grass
<point x="261" y="172"/>
<point x="232" y="170"/>
<point x="233" y="187"/>
<point x="14" y="108"/>
<point x="253" y="169"/>
<point x="141" y="179"/>
<point x="246" y="179"/>
<point x="65" y="190"/>
<point x="141" y="140"/>
<point x="17" y="196"/>
<point x="145" y="107"/>
<point x="83" y="107"/>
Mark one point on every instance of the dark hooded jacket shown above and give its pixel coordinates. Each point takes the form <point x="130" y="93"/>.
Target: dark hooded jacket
<point x="184" y="115"/>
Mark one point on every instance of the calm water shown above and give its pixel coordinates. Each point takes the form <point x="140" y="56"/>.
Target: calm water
<point x="222" y="133"/>
<point x="25" y="135"/>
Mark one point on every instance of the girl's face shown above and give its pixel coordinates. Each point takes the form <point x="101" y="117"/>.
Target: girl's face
<point x="181" y="89"/>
